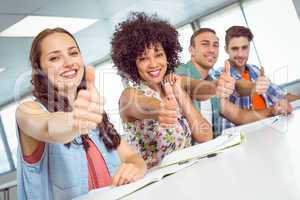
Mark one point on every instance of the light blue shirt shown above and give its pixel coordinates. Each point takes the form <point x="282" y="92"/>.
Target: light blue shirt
<point x="62" y="172"/>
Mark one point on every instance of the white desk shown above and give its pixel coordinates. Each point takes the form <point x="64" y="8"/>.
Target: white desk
<point x="5" y="188"/>
<point x="266" y="167"/>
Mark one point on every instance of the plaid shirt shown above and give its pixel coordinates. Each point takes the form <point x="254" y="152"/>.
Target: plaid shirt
<point x="272" y="95"/>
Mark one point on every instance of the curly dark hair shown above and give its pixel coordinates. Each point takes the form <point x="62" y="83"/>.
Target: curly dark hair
<point x="47" y="94"/>
<point x="137" y="33"/>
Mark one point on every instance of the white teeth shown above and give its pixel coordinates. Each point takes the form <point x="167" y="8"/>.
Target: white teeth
<point x="210" y="57"/>
<point x="69" y="73"/>
<point x="154" y="73"/>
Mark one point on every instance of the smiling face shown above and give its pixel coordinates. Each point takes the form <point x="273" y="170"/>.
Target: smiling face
<point x="152" y="64"/>
<point x="238" y="50"/>
<point x="61" y="61"/>
<point x="205" y="50"/>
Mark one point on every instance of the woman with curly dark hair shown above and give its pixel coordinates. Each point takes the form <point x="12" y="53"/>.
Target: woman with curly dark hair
<point x="67" y="144"/>
<point x="145" y="49"/>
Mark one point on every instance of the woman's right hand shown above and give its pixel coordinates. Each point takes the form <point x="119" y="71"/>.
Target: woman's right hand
<point x="167" y="114"/>
<point x="88" y="106"/>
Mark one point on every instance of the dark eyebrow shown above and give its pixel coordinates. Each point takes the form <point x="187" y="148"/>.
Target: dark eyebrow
<point x="204" y="41"/>
<point x="53" y="52"/>
<point x="57" y="51"/>
<point x="72" y="48"/>
<point x="234" y="47"/>
<point x="158" y="48"/>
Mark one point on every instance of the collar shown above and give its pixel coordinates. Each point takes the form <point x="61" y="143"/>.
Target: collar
<point x="195" y="74"/>
<point x="250" y="68"/>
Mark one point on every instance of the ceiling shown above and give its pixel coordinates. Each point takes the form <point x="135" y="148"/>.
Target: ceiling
<point x="94" y="41"/>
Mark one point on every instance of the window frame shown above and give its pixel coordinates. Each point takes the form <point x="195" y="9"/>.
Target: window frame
<point x="6" y="149"/>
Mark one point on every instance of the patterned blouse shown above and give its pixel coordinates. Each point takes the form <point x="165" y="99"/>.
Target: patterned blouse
<point x="152" y="141"/>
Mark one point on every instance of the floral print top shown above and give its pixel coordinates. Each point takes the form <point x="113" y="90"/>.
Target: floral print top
<point x="152" y="141"/>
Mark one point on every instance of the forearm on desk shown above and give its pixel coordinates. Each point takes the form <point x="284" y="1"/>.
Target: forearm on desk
<point x="292" y="97"/>
<point x="200" y="128"/>
<point x="242" y="116"/>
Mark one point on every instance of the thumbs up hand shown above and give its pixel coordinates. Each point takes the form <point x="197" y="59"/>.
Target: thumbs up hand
<point x="282" y="107"/>
<point x="262" y="83"/>
<point x="90" y="78"/>
<point x="88" y="106"/>
<point x="167" y="114"/>
<point x="175" y="82"/>
<point x="225" y="84"/>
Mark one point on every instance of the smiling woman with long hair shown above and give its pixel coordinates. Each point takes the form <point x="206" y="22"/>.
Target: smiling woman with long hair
<point x="67" y="144"/>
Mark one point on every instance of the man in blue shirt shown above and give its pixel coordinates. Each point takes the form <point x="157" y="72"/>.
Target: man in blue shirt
<point x="204" y="50"/>
<point x="237" y="41"/>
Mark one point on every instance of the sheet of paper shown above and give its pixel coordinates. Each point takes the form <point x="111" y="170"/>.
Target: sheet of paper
<point x="226" y="140"/>
<point x="154" y="175"/>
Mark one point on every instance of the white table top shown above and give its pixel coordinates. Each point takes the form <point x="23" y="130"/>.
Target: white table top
<point x="8" y="185"/>
<point x="266" y="166"/>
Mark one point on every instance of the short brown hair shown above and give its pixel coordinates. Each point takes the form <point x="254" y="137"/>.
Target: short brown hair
<point x="199" y="31"/>
<point x="238" y="31"/>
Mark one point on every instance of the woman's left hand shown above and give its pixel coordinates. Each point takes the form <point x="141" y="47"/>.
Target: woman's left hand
<point x="175" y="82"/>
<point x="127" y="173"/>
<point x="172" y="78"/>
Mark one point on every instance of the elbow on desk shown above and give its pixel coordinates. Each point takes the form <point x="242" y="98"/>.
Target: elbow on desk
<point x="242" y="120"/>
<point x="203" y="137"/>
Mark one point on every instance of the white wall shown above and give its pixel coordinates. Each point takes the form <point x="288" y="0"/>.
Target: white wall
<point x="276" y="35"/>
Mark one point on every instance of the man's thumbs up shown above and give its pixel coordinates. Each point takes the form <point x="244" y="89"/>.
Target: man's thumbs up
<point x="262" y="71"/>
<point x="227" y="67"/>
<point x="225" y="84"/>
<point x="262" y="83"/>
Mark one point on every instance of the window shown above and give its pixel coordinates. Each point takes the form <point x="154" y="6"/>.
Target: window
<point x="220" y="21"/>
<point x="185" y="33"/>
<point x="9" y="125"/>
<point x="276" y="36"/>
<point x="4" y="162"/>
<point x="106" y="74"/>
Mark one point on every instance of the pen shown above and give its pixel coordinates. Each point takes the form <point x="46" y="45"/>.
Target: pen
<point x="276" y="119"/>
<point x="211" y="155"/>
<point x="183" y="162"/>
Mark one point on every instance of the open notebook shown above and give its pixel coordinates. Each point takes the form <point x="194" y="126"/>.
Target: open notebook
<point x="171" y="164"/>
<point x="228" y="139"/>
<point x="112" y="193"/>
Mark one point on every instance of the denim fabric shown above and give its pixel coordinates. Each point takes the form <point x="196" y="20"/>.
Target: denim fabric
<point x="62" y="172"/>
